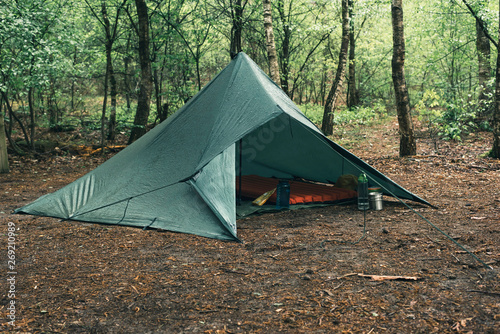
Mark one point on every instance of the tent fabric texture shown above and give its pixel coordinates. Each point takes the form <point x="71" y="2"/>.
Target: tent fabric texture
<point x="181" y="175"/>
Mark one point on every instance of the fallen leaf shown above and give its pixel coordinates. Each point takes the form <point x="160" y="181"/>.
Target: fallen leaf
<point x="461" y="324"/>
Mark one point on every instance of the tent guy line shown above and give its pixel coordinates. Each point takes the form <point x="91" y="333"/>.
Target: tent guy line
<point x="428" y="222"/>
<point x="475" y="257"/>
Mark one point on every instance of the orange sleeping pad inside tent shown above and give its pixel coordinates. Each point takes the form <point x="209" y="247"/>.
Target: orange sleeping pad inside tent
<point x="252" y="186"/>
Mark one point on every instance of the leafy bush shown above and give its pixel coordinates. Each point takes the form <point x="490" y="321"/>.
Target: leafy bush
<point x="313" y="111"/>
<point x="124" y="117"/>
<point x="357" y="115"/>
<point x="360" y="114"/>
<point x="448" y="120"/>
<point x="457" y="120"/>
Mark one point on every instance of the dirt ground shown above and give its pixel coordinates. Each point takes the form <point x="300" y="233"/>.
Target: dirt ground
<point x="300" y="271"/>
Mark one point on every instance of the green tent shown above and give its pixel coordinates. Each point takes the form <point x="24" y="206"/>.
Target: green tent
<point x="181" y="175"/>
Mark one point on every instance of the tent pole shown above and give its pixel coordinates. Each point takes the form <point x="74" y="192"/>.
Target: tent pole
<point x="239" y="172"/>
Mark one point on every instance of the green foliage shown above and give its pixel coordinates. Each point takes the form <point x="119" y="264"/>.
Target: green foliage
<point x="360" y="115"/>
<point x="124" y="118"/>
<point x="430" y="99"/>
<point x="313" y="111"/>
<point x="356" y="116"/>
<point x="451" y="121"/>
<point x="55" y="50"/>
<point x="457" y="120"/>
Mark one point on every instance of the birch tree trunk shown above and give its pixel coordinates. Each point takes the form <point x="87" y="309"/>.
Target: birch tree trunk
<point x="407" y="144"/>
<point x="484" y="70"/>
<point x="328" y="115"/>
<point x="495" y="124"/>
<point x="146" y="82"/>
<point x="270" y="44"/>
<point x="109" y="64"/>
<point x="352" y="92"/>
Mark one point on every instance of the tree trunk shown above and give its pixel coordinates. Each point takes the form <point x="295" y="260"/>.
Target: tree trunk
<point x="109" y="78"/>
<point x="324" y="78"/>
<point x="158" y="97"/>
<point x="104" y="104"/>
<point x="73" y="81"/>
<point x="285" y="48"/>
<point x="495" y="124"/>
<point x="327" y="124"/>
<point x="237" y="28"/>
<point x="352" y="92"/>
<point x="484" y="69"/>
<point x="31" y="105"/>
<point x="112" y="114"/>
<point x="146" y="82"/>
<point x="164" y="107"/>
<point x="108" y="47"/>
<point x="126" y="81"/>
<point x="13" y="117"/>
<point x="270" y="45"/>
<point x="4" y="158"/>
<point x="126" y="76"/>
<point x="110" y="38"/>
<point x="407" y="144"/>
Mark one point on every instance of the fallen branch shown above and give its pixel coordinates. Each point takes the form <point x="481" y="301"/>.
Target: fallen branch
<point x="344" y="276"/>
<point x="377" y="277"/>
<point x="456" y="258"/>
<point x="383" y="278"/>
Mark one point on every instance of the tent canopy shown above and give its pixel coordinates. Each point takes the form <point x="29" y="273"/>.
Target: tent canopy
<point x="181" y="175"/>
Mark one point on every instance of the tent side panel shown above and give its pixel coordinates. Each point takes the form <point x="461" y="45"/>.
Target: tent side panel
<point x="216" y="185"/>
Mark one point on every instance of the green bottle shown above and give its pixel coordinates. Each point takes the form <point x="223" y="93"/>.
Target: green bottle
<point x="363" y="202"/>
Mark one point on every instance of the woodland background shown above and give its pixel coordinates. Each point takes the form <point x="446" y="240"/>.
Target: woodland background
<point x="78" y="65"/>
<point x="72" y="81"/>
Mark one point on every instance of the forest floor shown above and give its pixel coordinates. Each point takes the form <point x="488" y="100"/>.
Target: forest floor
<point x="297" y="271"/>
